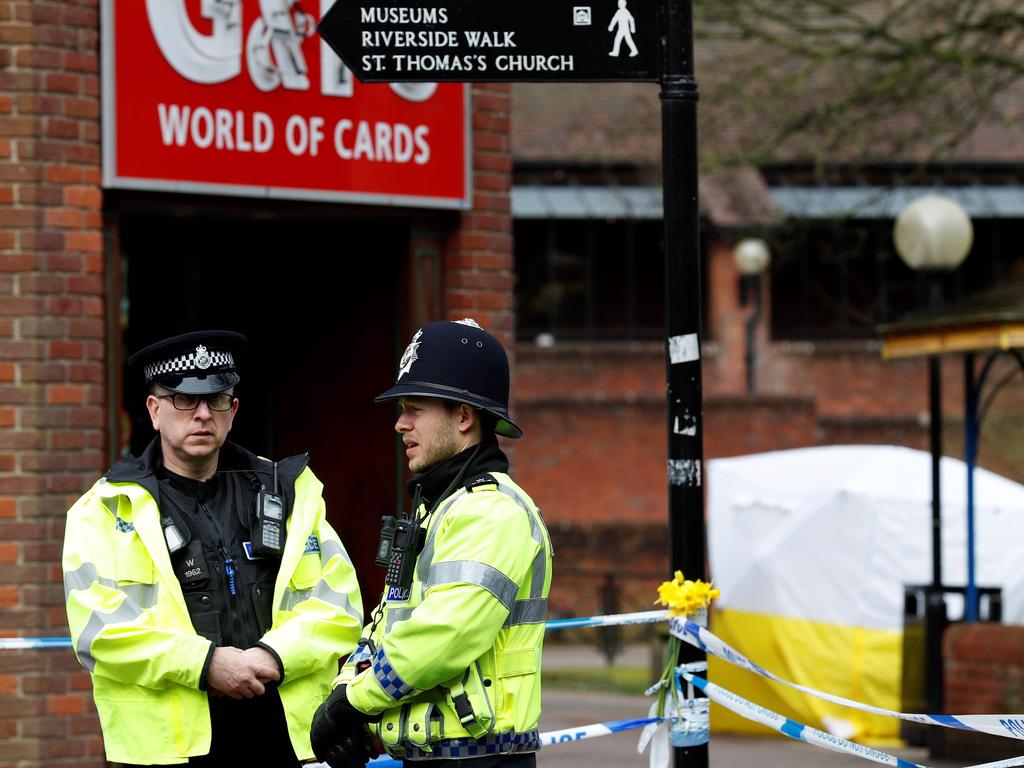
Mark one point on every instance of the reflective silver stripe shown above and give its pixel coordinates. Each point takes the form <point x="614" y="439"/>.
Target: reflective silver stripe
<point x="531" y="611"/>
<point x="143" y="595"/>
<point x="138" y="597"/>
<point x="480" y="574"/>
<point x="84" y="577"/>
<point x="396" y="615"/>
<point x="540" y="562"/>
<point x="328" y="549"/>
<point x="125" y="612"/>
<point x="423" y="563"/>
<point x="534" y="610"/>
<point x="322" y="591"/>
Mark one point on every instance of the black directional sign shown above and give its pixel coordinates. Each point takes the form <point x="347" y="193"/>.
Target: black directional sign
<point x="489" y="40"/>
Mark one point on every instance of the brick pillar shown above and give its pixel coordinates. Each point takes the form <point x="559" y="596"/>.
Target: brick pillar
<point x="983" y="674"/>
<point x="51" y="360"/>
<point x="478" y="256"/>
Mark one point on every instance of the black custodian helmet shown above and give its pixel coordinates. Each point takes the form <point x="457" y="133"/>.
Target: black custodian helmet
<point x="459" y="361"/>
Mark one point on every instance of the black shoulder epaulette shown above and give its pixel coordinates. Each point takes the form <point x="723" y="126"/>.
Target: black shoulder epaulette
<point x="480" y="480"/>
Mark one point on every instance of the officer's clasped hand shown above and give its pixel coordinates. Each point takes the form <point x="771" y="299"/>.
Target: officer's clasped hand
<point x="338" y="733"/>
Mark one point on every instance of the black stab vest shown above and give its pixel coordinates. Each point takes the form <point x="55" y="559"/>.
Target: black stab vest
<point x="229" y="596"/>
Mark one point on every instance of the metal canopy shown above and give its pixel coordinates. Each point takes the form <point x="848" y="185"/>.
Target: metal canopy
<point x="586" y="202"/>
<point x="875" y="202"/>
<point x="987" y="321"/>
<point x="638" y="202"/>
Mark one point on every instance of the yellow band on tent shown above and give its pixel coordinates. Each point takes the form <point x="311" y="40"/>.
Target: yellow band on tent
<point x="795" y="650"/>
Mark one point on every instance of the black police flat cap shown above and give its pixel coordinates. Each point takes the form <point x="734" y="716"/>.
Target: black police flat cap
<point x="195" y="363"/>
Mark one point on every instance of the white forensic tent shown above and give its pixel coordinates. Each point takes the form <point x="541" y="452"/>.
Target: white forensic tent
<point x="811" y="549"/>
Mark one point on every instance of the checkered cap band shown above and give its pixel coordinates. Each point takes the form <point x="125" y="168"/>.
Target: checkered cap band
<point x="393" y="685"/>
<point x="492" y="744"/>
<point x="184" y="365"/>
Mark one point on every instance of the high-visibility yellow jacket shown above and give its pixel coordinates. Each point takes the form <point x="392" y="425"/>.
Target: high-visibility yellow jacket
<point x="130" y="626"/>
<point x="456" y="667"/>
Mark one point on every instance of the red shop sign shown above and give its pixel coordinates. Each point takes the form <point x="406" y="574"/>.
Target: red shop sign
<point x="241" y="97"/>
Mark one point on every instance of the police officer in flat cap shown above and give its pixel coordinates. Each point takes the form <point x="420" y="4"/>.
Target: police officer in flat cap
<point x="448" y="670"/>
<point x="206" y="592"/>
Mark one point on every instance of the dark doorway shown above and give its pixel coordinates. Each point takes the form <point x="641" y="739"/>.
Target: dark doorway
<point x="318" y="300"/>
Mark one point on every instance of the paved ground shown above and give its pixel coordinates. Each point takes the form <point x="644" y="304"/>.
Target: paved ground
<point x="564" y="709"/>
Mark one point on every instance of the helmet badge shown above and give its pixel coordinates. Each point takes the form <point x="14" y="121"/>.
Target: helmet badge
<point x="410" y="355"/>
<point x="470" y="322"/>
<point x="203" y="360"/>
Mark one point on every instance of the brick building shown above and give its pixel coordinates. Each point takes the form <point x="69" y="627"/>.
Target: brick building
<point x="327" y="289"/>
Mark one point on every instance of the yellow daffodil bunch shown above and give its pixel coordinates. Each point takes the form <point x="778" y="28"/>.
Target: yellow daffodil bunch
<point x="687" y="599"/>
<point x="684" y="597"/>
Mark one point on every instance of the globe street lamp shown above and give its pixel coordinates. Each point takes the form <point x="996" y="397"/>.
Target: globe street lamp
<point x="752" y="258"/>
<point x="933" y="234"/>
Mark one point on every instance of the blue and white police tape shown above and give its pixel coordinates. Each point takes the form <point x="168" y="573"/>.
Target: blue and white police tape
<point x="617" y="619"/>
<point x="791" y="728"/>
<point x="28" y="643"/>
<point x="805" y="733"/>
<point x="999" y="725"/>
<point x="611" y="620"/>
<point x="564" y="736"/>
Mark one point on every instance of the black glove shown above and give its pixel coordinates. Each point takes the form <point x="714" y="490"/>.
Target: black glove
<point x="338" y="733"/>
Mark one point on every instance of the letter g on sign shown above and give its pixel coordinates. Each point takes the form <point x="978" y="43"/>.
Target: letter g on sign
<point x="206" y="59"/>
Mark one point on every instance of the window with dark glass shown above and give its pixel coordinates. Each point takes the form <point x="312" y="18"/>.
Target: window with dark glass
<point x="841" y="279"/>
<point x="588" y="279"/>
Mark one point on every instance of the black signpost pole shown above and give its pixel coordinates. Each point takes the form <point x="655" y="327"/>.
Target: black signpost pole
<point x="683" y="312"/>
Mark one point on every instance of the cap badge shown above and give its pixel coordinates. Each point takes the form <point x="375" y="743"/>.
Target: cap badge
<point x="410" y="355"/>
<point x="203" y="360"/>
<point x="470" y="322"/>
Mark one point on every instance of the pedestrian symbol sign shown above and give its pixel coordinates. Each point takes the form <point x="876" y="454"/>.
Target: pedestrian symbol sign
<point x="624" y="27"/>
<point x="481" y="40"/>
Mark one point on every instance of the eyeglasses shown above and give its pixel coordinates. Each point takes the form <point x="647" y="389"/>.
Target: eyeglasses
<point x="215" y="401"/>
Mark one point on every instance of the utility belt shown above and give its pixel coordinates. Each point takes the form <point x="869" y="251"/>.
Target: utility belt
<point x="456" y="719"/>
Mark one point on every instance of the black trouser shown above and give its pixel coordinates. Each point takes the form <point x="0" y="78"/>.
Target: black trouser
<point x="247" y="732"/>
<point x="521" y="760"/>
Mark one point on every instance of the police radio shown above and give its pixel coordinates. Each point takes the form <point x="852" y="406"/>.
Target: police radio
<point x="401" y="540"/>
<point x="268" y="522"/>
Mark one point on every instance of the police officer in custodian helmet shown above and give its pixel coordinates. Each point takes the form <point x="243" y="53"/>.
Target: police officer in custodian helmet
<point x="207" y="594"/>
<point x="448" y="671"/>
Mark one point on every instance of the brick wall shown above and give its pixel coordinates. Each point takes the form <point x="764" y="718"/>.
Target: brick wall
<point x="984" y="674"/>
<point x="478" y="254"/>
<point x="51" y="360"/>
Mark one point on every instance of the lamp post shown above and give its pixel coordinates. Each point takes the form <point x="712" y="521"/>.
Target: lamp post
<point x="933" y="234"/>
<point x="752" y="258"/>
